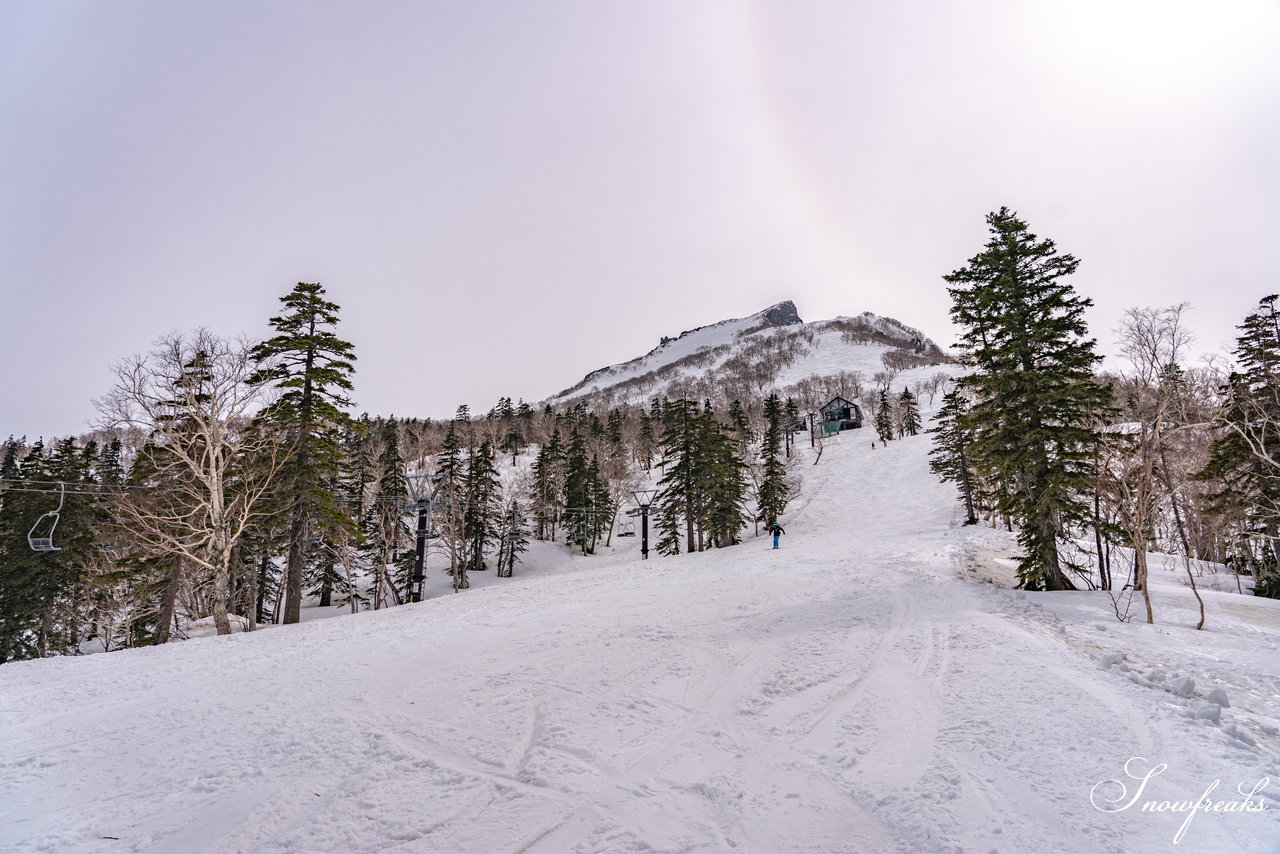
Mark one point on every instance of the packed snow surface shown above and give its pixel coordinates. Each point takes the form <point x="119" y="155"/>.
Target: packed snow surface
<point x="862" y="689"/>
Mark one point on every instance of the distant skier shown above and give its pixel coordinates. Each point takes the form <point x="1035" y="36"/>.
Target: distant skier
<point x="777" y="531"/>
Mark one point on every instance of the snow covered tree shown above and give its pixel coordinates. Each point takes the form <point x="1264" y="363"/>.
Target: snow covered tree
<point x="1036" y="403"/>
<point x="312" y="367"/>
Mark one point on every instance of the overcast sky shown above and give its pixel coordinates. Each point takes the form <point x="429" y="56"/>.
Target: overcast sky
<point x="504" y="196"/>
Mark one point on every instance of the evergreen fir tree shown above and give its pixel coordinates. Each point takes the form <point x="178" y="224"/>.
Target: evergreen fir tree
<point x="111" y="469"/>
<point x="792" y="412"/>
<point x="741" y="425"/>
<point x="908" y="414"/>
<point x="390" y="536"/>
<point x="614" y="427"/>
<point x="313" y="368"/>
<point x="703" y="481"/>
<point x="452" y="501"/>
<point x="681" y="463"/>
<point x="884" y="417"/>
<point x="1241" y="459"/>
<point x="667" y="525"/>
<point x="548" y="479"/>
<point x="515" y="541"/>
<point x="950" y="454"/>
<point x="599" y="516"/>
<point x="578" y="492"/>
<point x="645" y="445"/>
<point x="1035" y="398"/>
<point x="772" y="495"/>
<point x="513" y="442"/>
<point x="480" y="519"/>
<point x="42" y="592"/>
<point x="723" y="487"/>
<point x="9" y="461"/>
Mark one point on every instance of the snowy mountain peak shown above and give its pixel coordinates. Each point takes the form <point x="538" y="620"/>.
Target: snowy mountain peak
<point x="779" y="314"/>
<point x="773" y="348"/>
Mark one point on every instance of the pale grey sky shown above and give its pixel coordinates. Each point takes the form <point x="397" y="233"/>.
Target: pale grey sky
<point x="504" y="196"/>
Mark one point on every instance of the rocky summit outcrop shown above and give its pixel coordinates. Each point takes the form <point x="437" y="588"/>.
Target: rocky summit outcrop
<point x="782" y="314"/>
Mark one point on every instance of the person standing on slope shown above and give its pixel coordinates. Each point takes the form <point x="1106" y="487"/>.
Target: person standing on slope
<point x="777" y="531"/>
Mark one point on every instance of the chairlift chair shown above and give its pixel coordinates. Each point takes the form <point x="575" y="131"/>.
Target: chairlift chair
<point x="44" y="542"/>
<point x="628" y="529"/>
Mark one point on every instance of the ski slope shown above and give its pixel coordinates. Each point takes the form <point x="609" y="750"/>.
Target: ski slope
<point x="857" y="690"/>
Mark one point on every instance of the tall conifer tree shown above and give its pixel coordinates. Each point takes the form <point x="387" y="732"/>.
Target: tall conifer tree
<point x="312" y="367"/>
<point x="951" y="449"/>
<point x="1242" y="462"/>
<point x="771" y="499"/>
<point x="1036" y="403"/>
<point x="908" y="414"/>
<point x="884" y="416"/>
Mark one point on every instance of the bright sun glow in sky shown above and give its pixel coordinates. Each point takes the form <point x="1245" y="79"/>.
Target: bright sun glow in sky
<point x="1163" y="43"/>
<point x="504" y="196"/>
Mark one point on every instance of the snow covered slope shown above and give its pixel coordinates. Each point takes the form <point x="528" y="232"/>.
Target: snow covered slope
<point x="771" y="348"/>
<point x="856" y="691"/>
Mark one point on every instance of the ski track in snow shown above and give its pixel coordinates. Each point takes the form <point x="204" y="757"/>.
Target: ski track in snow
<point x="849" y="692"/>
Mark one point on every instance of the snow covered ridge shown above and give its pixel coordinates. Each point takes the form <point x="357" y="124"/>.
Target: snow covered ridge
<point x="741" y="356"/>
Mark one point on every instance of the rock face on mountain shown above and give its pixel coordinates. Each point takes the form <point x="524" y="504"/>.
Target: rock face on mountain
<point x="782" y="314"/>
<point x="771" y="349"/>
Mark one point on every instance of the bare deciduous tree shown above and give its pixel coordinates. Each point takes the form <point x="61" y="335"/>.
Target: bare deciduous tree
<point x="1153" y="340"/>
<point x="206" y="464"/>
